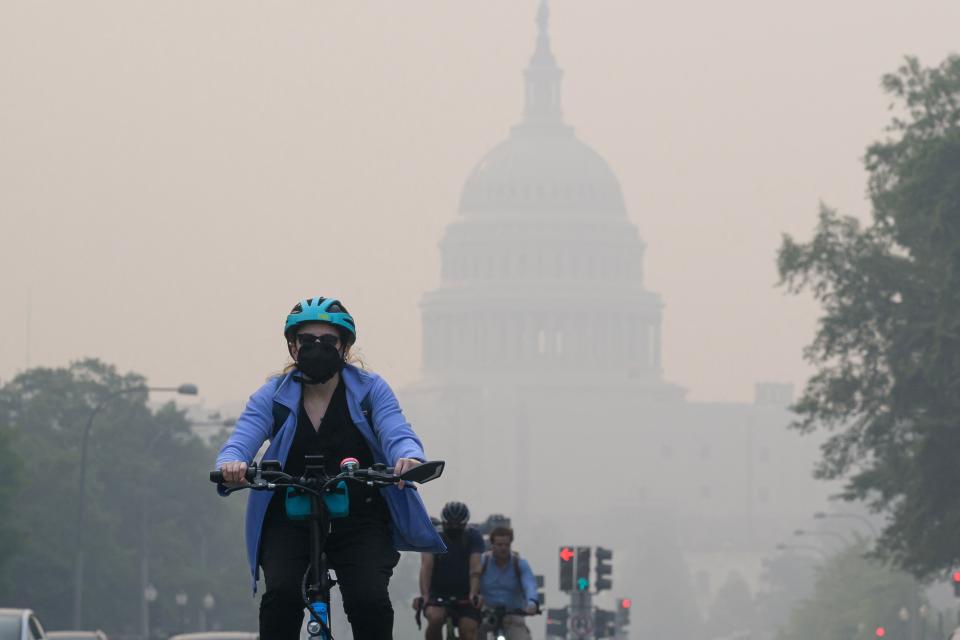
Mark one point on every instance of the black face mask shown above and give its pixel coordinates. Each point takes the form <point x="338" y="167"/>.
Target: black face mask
<point x="319" y="362"/>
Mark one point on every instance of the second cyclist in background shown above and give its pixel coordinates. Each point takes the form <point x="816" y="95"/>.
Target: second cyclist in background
<point x="450" y="582"/>
<point x="507" y="586"/>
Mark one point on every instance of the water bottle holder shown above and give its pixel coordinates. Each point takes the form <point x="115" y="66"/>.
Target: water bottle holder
<point x="338" y="500"/>
<point x="297" y="503"/>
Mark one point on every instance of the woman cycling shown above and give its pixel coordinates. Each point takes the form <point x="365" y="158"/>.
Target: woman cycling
<point x="335" y="409"/>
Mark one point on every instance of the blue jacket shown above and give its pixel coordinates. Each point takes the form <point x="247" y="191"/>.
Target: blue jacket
<point x="390" y="438"/>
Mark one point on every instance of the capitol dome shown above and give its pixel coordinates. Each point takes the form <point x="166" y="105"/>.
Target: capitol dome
<point x="543" y="232"/>
<point x="542" y="166"/>
<point x="542" y="170"/>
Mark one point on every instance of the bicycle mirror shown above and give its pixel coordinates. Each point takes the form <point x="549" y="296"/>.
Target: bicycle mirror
<point x="425" y="472"/>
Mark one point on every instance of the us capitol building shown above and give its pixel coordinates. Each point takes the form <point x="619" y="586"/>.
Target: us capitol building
<point x="542" y="379"/>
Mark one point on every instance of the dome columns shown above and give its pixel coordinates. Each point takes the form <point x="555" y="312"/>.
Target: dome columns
<point x="503" y="338"/>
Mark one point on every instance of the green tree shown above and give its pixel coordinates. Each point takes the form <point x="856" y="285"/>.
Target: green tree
<point x="853" y="595"/>
<point x="732" y="609"/>
<point x="787" y="579"/>
<point x="144" y="467"/>
<point x="12" y="535"/>
<point x="664" y="598"/>
<point x="887" y="349"/>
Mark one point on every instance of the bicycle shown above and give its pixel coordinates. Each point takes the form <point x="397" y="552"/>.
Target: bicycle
<point x="317" y="488"/>
<point x="493" y="618"/>
<point x="451" y="605"/>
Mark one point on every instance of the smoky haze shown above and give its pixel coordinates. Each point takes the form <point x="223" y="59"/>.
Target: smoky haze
<point x="175" y="175"/>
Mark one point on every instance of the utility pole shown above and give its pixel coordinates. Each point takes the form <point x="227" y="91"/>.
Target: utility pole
<point x="581" y="615"/>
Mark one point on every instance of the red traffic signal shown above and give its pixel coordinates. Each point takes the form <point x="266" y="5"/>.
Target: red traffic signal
<point x="567" y="555"/>
<point x="956" y="576"/>
<point x="880" y="632"/>
<point x="625" y="603"/>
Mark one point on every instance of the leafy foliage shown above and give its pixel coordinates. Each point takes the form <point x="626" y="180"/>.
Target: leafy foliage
<point x="887" y="349"/>
<point x="144" y="467"/>
<point x="733" y="608"/>
<point x="663" y="593"/>
<point x="854" y="595"/>
<point x="786" y="581"/>
<point x="12" y="535"/>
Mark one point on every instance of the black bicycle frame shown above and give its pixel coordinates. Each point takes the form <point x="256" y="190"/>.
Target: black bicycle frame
<point x="320" y="584"/>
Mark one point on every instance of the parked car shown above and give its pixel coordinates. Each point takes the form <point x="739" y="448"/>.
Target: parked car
<point x="20" y="624"/>
<point x="77" y="635"/>
<point x="217" y="635"/>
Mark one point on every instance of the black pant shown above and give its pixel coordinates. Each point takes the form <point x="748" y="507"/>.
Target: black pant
<point x="362" y="554"/>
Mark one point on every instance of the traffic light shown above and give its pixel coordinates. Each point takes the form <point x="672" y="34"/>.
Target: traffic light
<point x="567" y="555"/>
<point x="603" y="570"/>
<point x="623" y="613"/>
<point x="583" y="568"/>
<point x="541" y="596"/>
<point x="604" y="623"/>
<point x="955" y="579"/>
<point x="557" y="622"/>
<point x="880" y="632"/>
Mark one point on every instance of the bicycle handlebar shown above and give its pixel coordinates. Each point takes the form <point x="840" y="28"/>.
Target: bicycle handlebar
<point x="441" y="601"/>
<point x="499" y="612"/>
<point x="268" y="476"/>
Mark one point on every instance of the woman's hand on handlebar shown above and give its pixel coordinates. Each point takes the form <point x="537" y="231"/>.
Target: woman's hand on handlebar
<point x="402" y="465"/>
<point x="234" y="474"/>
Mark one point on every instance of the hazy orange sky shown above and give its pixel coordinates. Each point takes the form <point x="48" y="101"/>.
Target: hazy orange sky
<point x="175" y="174"/>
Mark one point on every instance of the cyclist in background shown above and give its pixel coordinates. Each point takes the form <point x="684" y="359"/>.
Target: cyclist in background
<point x="507" y="582"/>
<point x="453" y="576"/>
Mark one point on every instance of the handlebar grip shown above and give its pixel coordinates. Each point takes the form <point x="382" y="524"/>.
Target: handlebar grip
<point x="217" y="476"/>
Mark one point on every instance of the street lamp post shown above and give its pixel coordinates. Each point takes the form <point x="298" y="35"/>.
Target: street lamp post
<point x="181" y="599"/>
<point x="184" y="389"/>
<point x="802" y="547"/>
<point x="904" y="615"/>
<point x="820" y="515"/>
<point x="149" y="597"/>
<point x="208" y="604"/>
<point x="834" y="534"/>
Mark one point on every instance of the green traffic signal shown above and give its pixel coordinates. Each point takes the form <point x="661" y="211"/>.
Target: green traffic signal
<point x="583" y="568"/>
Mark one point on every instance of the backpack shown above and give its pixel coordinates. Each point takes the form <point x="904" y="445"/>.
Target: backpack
<point x="280" y="412"/>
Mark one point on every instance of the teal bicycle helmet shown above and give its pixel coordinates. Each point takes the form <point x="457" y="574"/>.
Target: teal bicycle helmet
<point x="328" y="310"/>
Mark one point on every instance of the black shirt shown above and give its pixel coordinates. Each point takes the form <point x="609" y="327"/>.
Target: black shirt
<point x="451" y="570"/>
<point x="336" y="439"/>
